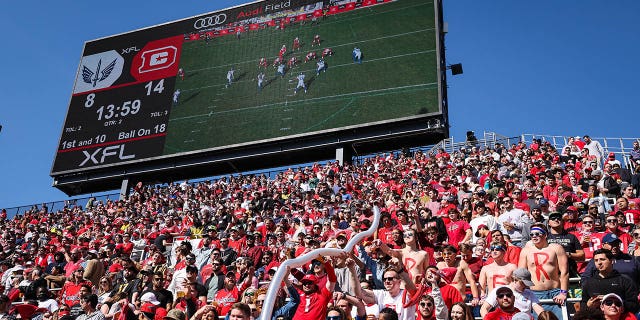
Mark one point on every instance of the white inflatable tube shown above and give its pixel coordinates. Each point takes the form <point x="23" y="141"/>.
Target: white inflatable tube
<point x="267" y="306"/>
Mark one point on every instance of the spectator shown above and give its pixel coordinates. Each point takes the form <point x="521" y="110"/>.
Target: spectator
<point x="497" y="272"/>
<point x="314" y="297"/>
<point x="525" y="300"/>
<point x="505" y="308"/>
<point x="607" y="280"/>
<point x="89" y="303"/>
<point x="392" y="294"/>
<point x="551" y="279"/>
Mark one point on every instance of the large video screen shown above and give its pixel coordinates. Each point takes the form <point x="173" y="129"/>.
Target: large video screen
<point x="261" y="72"/>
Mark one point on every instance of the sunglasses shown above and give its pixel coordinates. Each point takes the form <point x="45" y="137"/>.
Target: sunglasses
<point x="536" y="234"/>
<point x="610" y="302"/>
<point x="587" y="222"/>
<point x="407" y="235"/>
<point x="334" y="318"/>
<point x="158" y="279"/>
<point x="612" y="220"/>
<point x="503" y="295"/>
<point x="497" y="248"/>
<point x="426" y="304"/>
<point x="636" y="235"/>
<point x="389" y="279"/>
<point x="307" y="283"/>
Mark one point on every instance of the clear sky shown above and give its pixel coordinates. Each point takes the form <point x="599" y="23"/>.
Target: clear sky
<point x="544" y="67"/>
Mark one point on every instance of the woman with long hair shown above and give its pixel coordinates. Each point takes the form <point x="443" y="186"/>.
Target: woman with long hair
<point x="460" y="311"/>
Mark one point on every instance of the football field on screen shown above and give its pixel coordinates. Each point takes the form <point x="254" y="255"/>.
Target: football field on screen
<point x="396" y="79"/>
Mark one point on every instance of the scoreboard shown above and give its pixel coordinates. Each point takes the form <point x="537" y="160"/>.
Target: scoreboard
<point x="162" y="92"/>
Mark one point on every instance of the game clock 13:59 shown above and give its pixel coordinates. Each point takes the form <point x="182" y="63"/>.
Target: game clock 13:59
<point x="111" y="126"/>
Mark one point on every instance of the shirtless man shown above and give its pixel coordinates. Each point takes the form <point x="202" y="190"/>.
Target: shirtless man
<point x="496" y="273"/>
<point x="414" y="260"/>
<point x="461" y="273"/>
<point x="549" y="266"/>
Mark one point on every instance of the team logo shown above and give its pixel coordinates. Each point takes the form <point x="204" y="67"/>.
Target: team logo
<point x="92" y="77"/>
<point x="210" y="21"/>
<point x="159" y="58"/>
<point x="98" y="71"/>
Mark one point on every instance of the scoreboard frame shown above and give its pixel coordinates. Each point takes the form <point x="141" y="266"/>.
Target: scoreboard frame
<point x="109" y="161"/>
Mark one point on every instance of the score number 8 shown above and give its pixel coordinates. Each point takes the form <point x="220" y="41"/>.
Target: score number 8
<point x="90" y="100"/>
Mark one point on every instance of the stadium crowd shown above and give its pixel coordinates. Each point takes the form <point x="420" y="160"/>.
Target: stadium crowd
<point x="478" y="232"/>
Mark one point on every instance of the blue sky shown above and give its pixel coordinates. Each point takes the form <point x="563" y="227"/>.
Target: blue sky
<point x="544" y="67"/>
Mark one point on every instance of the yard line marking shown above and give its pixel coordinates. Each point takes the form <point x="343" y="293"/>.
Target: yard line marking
<point x="351" y="94"/>
<point x="332" y="67"/>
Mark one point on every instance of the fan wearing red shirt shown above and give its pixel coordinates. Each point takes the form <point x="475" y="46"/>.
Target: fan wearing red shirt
<point x="506" y="308"/>
<point x="313" y="298"/>
<point x="228" y="294"/>
<point x="71" y="291"/>
<point x="631" y="216"/>
<point x="384" y="233"/>
<point x="459" y="231"/>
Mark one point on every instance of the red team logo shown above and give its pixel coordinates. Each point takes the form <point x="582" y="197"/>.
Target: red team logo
<point x="157" y="59"/>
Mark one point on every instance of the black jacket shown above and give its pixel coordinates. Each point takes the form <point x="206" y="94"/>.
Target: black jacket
<point x="613" y="283"/>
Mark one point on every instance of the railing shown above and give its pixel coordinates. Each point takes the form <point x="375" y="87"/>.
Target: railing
<point x="489" y="140"/>
<point x="619" y="146"/>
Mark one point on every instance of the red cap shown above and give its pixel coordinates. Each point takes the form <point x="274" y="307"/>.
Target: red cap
<point x="148" y="307"/>
<point x="572" y="209"/>
<point x="310" y="277"/>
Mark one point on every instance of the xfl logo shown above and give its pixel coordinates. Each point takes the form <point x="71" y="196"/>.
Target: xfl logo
<point x="156" y="59"/>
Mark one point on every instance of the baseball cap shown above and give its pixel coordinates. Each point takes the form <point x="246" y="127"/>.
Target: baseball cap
<point x="310" y="277"/>
<point x="502" y="290"/>
<point x="610" y="238"/>
<point x="543" y="202"/>
<point x="175" y="314"/>
<point x="524" y="275"/>
<point x="612" y="295"/>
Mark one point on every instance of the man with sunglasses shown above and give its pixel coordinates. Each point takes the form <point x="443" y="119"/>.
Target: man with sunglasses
<point x="612" y="226"/>
<point x="607" y="281"/>
<point x="392" y="296"/>
<point x="164" y="296"/>
<point x="613" y="308"/>
<point x="548" y="263"/>
<point x="413" y="259"/>
<point x="496" y="273"/>
<point x="505" y="308"/>
<point x="431" y="305"/>
<point x="569" y="242"/>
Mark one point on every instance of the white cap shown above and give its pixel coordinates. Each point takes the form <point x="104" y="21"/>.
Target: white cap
<point x="150" y="297"/>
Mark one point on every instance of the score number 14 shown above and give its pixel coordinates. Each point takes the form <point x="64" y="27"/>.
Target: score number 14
<point x="158" y="88"/>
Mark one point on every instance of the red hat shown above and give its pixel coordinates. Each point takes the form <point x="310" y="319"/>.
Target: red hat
<point x="310" y="277"/>
<point x="612" y="155"/>
<point x="571" y="209"/>
<point x="148" y="307"/>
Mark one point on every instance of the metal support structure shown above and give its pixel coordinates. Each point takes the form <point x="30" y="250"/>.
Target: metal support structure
<point x="124" y="187"/>
<point x="344" y="155"/>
